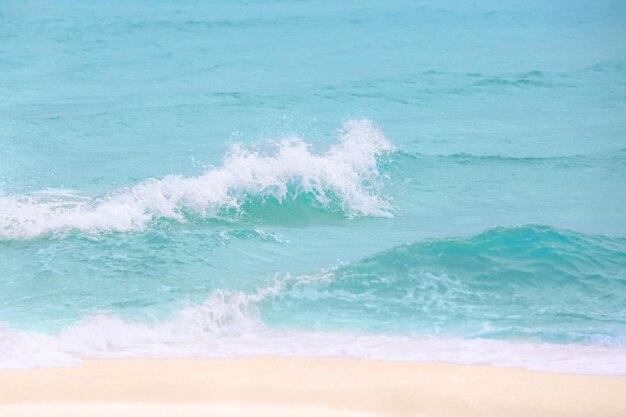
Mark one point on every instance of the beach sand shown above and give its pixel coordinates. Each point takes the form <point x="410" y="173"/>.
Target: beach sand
<point x="302" y="387"/>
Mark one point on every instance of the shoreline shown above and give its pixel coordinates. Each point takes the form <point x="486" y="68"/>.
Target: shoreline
<point x="26" y="350"/>
<point x="284" y="386"/>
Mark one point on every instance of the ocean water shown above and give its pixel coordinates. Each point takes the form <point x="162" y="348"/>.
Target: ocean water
<point x="402" y="180"/>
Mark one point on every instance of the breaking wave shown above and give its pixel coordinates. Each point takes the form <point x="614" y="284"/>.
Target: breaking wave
<point x="530" y="296"/>
<point x="228" y="324"/>
<point x="343" y="179"/>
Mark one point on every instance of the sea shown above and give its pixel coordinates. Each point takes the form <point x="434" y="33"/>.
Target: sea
<point x="435" y="181"/>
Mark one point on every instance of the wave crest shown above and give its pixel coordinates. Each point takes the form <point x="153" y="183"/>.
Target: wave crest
<point x="528" y="282"/>
<point x="343" y="178"/>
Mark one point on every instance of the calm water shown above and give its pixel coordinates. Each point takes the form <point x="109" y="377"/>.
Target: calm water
<point x="424" y="180"/>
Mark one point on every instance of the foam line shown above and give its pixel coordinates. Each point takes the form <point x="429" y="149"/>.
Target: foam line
<point x="228" y="324"/>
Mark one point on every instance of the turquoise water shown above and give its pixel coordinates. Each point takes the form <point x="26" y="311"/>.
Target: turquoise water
<point x="390" y="179"/>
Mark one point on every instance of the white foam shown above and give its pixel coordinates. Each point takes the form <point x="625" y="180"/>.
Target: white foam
<point x="342" y="173"/>
<point x="191" y="330"/>
<point x="228" y="324"/>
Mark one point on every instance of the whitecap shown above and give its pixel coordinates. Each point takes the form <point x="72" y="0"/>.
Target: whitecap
<point x="342" y="176"/>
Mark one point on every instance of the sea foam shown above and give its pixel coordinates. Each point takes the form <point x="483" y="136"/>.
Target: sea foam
<point x="342" y="178"/>
<point x="228" y="324"/>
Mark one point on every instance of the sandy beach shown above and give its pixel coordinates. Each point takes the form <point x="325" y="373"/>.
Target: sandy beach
<point x="303" y="387"/>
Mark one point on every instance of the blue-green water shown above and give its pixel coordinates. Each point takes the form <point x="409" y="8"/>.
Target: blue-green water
<point x="386" y="179"/>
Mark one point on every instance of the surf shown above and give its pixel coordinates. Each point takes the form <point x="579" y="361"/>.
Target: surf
<point x="342" y="179"/>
